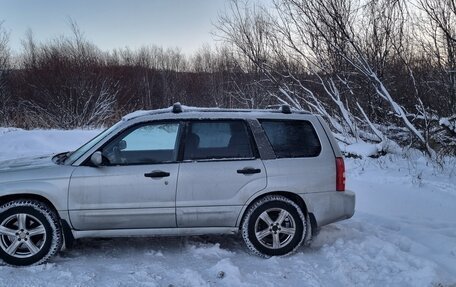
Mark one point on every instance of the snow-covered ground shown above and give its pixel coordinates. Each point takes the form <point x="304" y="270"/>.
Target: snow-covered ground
<point x="402" y="234"/>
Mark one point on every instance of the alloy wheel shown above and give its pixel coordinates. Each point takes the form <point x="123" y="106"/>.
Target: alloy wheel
<point x="275" y="228"/>
<point x="22" y="235"/>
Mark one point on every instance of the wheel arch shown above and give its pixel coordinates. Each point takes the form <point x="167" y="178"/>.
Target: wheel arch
<point x="53" y="239"/>
<point x="17" y="196"/>
<point x="290" y="195"/>
<point x="66" y="228"/>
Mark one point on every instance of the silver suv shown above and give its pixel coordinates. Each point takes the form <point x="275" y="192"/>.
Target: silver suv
<point x="274" y="176"/>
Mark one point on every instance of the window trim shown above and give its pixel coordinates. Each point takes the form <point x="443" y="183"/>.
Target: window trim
<point x="250" y="135"/>
<point x="291" y="120"/>
<point x="262" y="144"/>
<point x="128" y="129"/>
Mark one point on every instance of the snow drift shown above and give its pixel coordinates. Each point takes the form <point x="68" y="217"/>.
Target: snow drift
<point x="402" y="234"/>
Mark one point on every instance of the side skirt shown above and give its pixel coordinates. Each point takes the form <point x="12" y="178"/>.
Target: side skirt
<point x="154" y="232"/>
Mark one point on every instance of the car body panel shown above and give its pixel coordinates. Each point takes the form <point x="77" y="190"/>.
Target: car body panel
<point x="199" y="197"/>
<point x="26" y="163"/>
<point x="154" y="232"/>
<point x="329" y="207"/>
<point x="212" y="193"/>
<point x="304" y="174"/>
<point x="114" y="197"/>
<point x="36" y="176"/>
<point x="330" y="137"/>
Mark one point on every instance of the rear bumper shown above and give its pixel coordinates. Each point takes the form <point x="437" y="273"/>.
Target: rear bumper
<point x="329" y="207"/>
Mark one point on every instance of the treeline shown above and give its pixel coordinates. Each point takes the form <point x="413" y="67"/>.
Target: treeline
<point x="381" y="72"/>
<point x="69" y="82"/>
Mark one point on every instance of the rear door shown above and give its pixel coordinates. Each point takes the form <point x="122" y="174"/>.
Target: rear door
<point x="219" y="172"/>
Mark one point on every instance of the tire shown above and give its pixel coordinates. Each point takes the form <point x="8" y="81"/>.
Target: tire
<point x="274" y="226"/>
<point x="30" y="232"/>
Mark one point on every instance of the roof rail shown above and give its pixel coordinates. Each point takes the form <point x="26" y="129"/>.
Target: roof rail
<point x="179" y="108"/>
<point x="285" y="109"/>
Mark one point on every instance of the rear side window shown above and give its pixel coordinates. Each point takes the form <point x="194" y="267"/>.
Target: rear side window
<point x="217" y="140"/>
<point x="292" y="138"/>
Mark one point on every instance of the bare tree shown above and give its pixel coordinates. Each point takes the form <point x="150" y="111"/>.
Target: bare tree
<point x="66" y="89"/>
<point x="344" y="43"/>
<point x="286" y="50"/>
<point x="378" y="71"/>
<point x="5" y="96"/>
<point x="438" y="23"/>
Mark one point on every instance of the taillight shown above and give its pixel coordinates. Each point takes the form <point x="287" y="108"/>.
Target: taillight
<point x="340" y="174"/>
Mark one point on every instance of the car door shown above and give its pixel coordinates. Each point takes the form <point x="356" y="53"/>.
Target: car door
<point x="219" y="172"/>
<point x="136" y="185"/>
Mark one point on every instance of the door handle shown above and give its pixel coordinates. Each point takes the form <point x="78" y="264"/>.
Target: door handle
<point x="157" y="173"/>
<point x="249" y="170"/>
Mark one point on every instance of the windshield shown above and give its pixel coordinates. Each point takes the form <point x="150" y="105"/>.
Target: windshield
<point x="83" y="149"/>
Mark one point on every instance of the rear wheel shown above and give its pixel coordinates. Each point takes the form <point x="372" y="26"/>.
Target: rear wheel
<point x="30" y="232"/>
<point x="274" y="226"/>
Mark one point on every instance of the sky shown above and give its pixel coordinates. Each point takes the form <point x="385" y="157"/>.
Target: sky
<point x="110" y="24"/>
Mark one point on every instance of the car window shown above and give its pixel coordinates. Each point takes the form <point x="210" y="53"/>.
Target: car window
<point x="217" y="140"/>
<point x="87" y="146"/>
<point x="145" y="144"/>
<point x="292" y="138"/>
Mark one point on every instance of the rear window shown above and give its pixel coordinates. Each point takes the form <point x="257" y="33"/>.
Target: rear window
<point x="292" y="138"/>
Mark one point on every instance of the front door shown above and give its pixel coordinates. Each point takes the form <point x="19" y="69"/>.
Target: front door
<point x="136" y="185"/>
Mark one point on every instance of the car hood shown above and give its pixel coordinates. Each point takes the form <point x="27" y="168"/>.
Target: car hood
<point x="34" y="168"/>
<point x="26" y="163"/>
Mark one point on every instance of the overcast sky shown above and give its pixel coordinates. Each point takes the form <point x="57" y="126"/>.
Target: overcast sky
<point x="115" y="23"/>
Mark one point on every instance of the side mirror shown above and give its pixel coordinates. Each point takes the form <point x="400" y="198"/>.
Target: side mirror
<point x="122" y="145"/>
<point x="96" y="158"/>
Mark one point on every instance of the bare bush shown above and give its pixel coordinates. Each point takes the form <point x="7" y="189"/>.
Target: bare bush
<point x="347" y="60"/>
<point x="5" y="95"/>
<point x="380" y="72"/>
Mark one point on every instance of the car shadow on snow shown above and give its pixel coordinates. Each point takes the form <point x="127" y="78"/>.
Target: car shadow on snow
<point x="116" y="247"/>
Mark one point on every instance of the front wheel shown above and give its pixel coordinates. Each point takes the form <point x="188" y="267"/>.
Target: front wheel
<point x="30" y="232"/>
<point x="274" y="226"/>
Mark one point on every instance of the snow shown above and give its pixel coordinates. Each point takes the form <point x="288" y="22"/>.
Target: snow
<point x="361" y="149"/>
<point x="446" y="122"/>
<point x="402" y="234"/>
<point x="198" y="110"/>
<point x="18" y="143"/>
<point x="140" y="113"/>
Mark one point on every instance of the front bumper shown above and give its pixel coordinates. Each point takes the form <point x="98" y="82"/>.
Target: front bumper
<point x="329" y="207"/>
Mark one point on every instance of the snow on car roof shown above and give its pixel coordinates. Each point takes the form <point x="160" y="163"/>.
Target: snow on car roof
<point x="178" y="108"/>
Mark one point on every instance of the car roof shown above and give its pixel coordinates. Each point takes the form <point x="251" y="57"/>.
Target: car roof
<point x="181" y="111"/>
